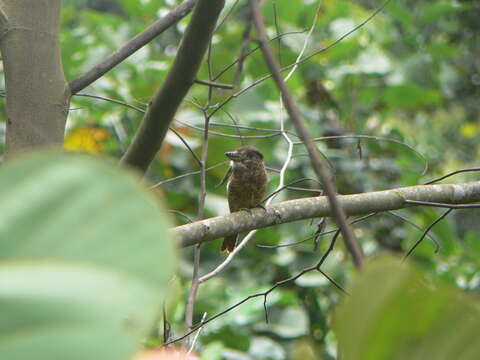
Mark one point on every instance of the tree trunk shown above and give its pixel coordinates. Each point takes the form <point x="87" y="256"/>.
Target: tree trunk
<point x="37" y="92"/>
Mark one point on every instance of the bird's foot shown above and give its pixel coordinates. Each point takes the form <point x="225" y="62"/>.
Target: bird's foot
<point x="262" y="207"/>
<point x="247" y="210"/>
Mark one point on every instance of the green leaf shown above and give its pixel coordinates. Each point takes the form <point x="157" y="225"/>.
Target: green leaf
<point x="410" y="96"/>
<point x="393" y="314"/>
<point x="88" y="250"/>
<point x="439" y="9"/>
<point x="472" y="246"/>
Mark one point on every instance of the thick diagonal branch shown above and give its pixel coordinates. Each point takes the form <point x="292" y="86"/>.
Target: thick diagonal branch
<point x="164" y="105"/>
<point x="317" y="162"/>
<point x="306" y="208"/>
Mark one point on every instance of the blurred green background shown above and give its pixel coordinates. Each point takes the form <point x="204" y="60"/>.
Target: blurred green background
<point x="411" y="74"/>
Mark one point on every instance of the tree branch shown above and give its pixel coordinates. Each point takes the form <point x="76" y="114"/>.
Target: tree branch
<point x="132" y="46"/>
<point x="306" y="208"/>
<point x="162" y="108"/>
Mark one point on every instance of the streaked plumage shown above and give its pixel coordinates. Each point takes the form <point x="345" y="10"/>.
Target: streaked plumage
<point x="247" y="182"/>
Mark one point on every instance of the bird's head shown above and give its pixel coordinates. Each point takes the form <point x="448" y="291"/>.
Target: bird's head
<point x="245" y="156"/>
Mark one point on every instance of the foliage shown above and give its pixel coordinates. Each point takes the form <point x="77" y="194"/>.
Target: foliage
<point x="78" y="279"/>
<point x="408" y="317"/>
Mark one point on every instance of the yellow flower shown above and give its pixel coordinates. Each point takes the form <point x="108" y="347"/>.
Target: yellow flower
<point x="469" y="130"/>
<point x="86" y="139"/>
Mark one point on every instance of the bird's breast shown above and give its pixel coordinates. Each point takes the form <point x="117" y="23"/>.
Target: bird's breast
<point x="246" y="188"/>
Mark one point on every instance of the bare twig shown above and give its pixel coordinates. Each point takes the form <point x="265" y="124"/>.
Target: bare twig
<point x="442" y="205"/>
<point x="241" y="58"/>
<point x="166" y="325"/>
<point x="171" y="128"/>
<point x="305" y="43"/>
<point x="193" y="289"/>
<point x="245" y="127"/>
<point x="213" y="84"/>
<point x="202" y="197"/>
<point x="163" y="182"/>
<point x="132" y="46"/>
<point x="316" y="234"/>
<point x="263" y="294"/>
<point x="404" y="219"/>
<point x="317" y="161"/>
<point x="185" y="216"/>
<point x="194" y="341"/>
<point x="452" y="174"/>
<point x="371" y="137"/>
<point x="118" y="102"/>
<point x="243" y="51"/>
<point x="305" y="59"/>
<point x="425" y="233"/>
<point x="228" y="135"/>
<point x="229" y="12"/>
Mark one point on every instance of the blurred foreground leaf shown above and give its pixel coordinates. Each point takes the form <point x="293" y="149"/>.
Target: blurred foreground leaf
<point x="84" y="260"/>
<point x="394" y="313"/>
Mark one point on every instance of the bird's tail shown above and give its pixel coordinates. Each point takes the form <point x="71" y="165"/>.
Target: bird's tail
<point x="229" y="243"/>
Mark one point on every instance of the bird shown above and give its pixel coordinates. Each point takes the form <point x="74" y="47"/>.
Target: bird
<point x="247" y="182"/>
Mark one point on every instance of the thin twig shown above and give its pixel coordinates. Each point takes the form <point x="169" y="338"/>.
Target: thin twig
<point x="193" y="289"/>
<point x="132" y="46"/>
<point x="245" y="127"/>
<point x="202" y="197"/>
<point x="434" y="241"/>
<point x="178" y="212"/>
<point x="227" y="135"/>
<point x="371" y="137"/>
<point x="194" y="341"/>
<point x="443" y="205"/>
<point x="425" y="232"/>
<point x="213" y="84"/>
<point x="243" y="51"/>
<point x="305" y="59"/>
<point x="305" y="43"/>
<point x="265" y="293"/>
<point x="118" y="102"/>
<point x="166" y="325"/>
<point x="171" y="128"/>
<point x="241" y="59"/>
<point x="451" y="174"/>
<point x="163" y="182"/>
<point x="227" y="15"/>
<point x="328" y="232"/>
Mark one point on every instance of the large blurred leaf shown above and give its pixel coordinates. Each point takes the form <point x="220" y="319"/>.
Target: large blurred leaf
<point x="84" y="259"/>
<point x="53" y="310"/>
<point x="393" y="314"/>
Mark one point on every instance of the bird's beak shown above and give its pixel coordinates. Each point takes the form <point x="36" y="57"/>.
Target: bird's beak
<point x="233" y="155"/>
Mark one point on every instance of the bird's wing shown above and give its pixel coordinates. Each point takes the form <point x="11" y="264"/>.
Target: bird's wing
<point x="227" y="176"/>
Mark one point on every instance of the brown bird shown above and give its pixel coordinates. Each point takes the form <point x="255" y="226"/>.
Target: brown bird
<point x="247" y="181"/>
